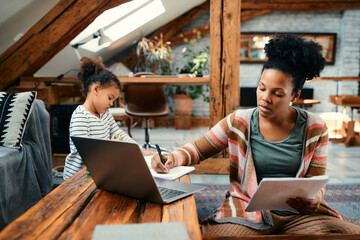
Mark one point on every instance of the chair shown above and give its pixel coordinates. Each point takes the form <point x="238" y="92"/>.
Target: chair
<point x="352" y="101"/>
<point x="145" y="101"/>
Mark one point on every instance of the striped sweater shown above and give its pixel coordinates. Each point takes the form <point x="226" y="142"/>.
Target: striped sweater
<point x="85" y="124"/>
<point x="233" y="132"/>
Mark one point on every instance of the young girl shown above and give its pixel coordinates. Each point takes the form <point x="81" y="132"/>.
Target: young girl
<point x="100" y="88"/>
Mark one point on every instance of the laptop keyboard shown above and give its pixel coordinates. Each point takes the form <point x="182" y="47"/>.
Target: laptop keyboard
<point x="167" y="193"/>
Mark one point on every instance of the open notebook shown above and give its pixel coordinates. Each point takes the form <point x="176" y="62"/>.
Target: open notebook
<point x="174" y="173"/>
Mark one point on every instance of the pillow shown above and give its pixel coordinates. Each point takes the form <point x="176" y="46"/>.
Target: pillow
<point x="15" y="109"/>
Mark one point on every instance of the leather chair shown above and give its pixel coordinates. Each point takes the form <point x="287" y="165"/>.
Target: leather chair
<point x="145" y="101"/>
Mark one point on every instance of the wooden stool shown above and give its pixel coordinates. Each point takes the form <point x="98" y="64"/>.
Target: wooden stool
<point x="352" y="138"/>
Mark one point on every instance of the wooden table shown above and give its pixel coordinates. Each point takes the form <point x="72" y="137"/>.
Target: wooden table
<point x="73" y="209"/>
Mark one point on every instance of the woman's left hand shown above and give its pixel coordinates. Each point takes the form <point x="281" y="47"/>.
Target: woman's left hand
<point x="304" y="206"/>
<point x="147" y="152"/>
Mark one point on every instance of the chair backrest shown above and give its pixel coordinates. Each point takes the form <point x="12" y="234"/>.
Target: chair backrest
<point x="145" y="100"/>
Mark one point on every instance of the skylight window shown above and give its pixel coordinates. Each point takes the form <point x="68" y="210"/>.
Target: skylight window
<point x="119" y="21"/>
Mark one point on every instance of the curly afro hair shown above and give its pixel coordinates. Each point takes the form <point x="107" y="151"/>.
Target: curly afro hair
<point x="93" y="71"/>
<point x="291" y="54"/>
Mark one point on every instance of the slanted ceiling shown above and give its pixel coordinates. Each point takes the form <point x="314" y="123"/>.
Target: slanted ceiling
<point x="69" y="17"/>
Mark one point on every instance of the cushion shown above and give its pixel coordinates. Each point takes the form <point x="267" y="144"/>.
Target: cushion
<point x="15" y="109"/>
<point x="117" y="112"/>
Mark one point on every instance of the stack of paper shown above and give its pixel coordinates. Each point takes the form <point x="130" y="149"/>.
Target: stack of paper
<point x="273" y="193"/>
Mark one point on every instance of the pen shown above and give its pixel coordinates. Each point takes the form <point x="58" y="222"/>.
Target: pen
<point x="159" y="152"/>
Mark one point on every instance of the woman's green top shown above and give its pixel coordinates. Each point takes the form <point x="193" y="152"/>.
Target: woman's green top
<point x="276" y="159"/>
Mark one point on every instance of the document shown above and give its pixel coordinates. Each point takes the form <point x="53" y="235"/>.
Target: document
<point x="273" y="193"/>
<point x="174" y="173"/>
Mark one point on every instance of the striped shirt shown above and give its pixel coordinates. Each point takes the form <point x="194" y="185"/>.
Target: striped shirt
<point x="82" y="124"/>
<point x="233" y="132"/>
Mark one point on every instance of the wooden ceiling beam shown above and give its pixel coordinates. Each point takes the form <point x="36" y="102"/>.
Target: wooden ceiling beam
<point x="190" y="34"/>
<point x="299" y="5"/>
<point x="49" y="36"/>
<point x="170" y="29"/>
<point x="250" y="14"/>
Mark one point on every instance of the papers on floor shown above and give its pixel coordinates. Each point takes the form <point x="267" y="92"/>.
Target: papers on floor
<point x="273" y="193"/>
<point x="174" y="173"/>
<point x="149" y="231"/>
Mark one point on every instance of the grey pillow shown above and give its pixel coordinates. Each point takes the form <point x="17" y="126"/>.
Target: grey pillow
<point x="15" y="109"/>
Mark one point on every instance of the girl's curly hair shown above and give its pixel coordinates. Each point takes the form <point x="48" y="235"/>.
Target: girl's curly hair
<point x="291" y="54"/>
<point x="93" y="71"/>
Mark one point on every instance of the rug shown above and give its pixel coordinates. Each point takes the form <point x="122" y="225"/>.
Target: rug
<point x="344" y="198"/>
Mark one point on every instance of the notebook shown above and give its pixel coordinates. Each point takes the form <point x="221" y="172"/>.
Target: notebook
<point x="120" y="167"/>
<point x="174" y="173"/>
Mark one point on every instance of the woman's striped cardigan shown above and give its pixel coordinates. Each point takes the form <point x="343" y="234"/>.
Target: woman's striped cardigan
<point x="234" y="132"/>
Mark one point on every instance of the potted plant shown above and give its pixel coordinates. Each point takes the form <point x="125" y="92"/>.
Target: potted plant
<point x="154" y="56"/>
<point x="184" y="95"/>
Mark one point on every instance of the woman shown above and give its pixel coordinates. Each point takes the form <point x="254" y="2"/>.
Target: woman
<point x="272" y="140"/>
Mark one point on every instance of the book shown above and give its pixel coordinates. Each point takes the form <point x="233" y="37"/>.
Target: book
<point x="140" y="231"/>
<point x="273" y="193"/>
<point x="174" y="173"/>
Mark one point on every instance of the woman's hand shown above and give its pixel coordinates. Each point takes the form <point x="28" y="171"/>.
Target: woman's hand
<point x="116" y="137"/>
<point x="158" y="166"/>
<point x="147" y="152"/>
<point x="304" y="206"/>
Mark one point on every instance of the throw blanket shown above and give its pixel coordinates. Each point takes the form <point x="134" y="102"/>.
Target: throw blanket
<point x="25" y="175"/>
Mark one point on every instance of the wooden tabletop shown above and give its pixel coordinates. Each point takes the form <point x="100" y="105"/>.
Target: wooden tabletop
<point x="301" y="101"/>
<point x="345" y="100"/>
<point x="175" y="80"/>
<point x="74" y="208"/>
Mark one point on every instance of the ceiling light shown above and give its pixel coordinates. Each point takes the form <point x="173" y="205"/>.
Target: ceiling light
<point x="104" y="40"/>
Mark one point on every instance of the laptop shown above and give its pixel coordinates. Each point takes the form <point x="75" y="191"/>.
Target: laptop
<point x="120" y="167"/>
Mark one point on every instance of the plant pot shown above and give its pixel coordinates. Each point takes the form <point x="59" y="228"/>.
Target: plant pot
<point x="183" y="104"/>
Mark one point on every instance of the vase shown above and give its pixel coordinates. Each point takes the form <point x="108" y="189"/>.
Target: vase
<point x="183" y="104"/>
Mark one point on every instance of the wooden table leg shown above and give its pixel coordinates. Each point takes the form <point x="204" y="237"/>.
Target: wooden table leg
<point x="352" y="139"/>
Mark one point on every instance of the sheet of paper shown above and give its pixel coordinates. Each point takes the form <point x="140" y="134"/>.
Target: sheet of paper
<point x="174" y="173"/>
<point x="148" y="231"/>
<point x="273" y="193"/>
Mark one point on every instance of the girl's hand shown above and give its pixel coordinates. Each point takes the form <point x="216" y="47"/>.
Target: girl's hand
<point x="304" y="206"/>
<point x="116" y="137"/>
<point x="158" y="166"/>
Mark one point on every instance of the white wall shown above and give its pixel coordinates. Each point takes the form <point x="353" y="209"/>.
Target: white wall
<point x="18" y="16"/>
